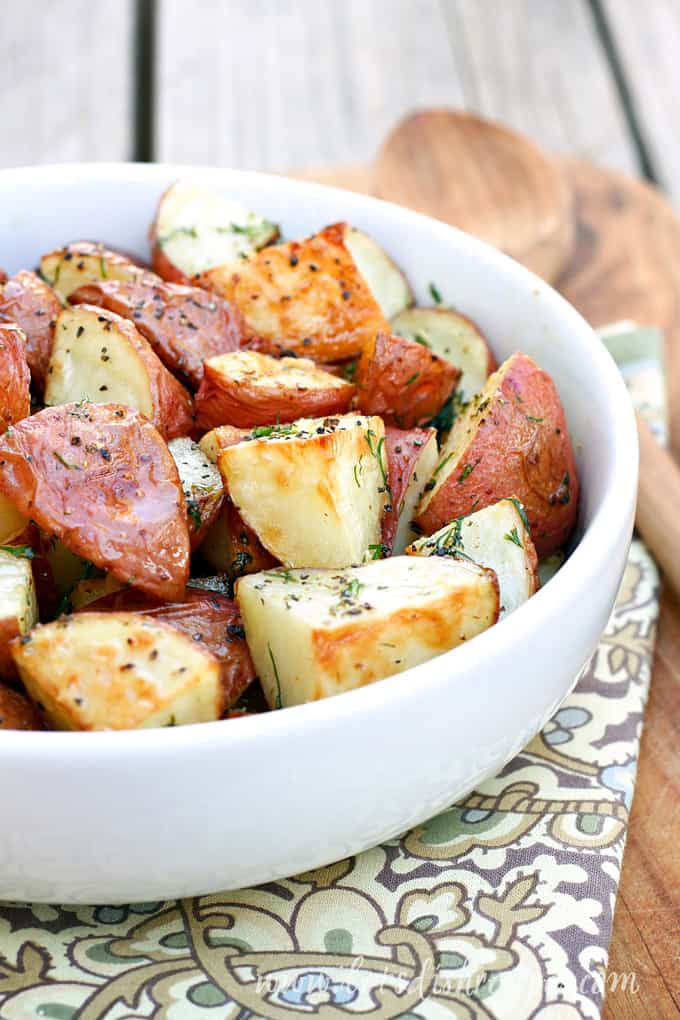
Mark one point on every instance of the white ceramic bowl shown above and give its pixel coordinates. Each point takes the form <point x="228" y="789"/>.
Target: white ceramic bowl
<point x="155" y="814"/>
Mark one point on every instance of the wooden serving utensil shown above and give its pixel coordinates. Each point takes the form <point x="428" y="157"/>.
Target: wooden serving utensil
<point x="570" y="222"/>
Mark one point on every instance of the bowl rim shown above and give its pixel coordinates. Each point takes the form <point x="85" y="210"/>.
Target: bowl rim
<point x="609" y="521"/>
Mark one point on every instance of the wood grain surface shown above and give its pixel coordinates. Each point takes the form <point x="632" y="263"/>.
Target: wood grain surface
<point x="626" y="264"/>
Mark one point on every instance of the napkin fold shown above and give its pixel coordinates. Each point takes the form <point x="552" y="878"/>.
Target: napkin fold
<point x="499" y="908"/>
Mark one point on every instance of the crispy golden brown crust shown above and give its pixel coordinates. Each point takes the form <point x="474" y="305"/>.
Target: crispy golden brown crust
<point x="512" y="442"/>
<point x="402" y="381"/>
<point x="305" y="297"/>
<point x="30" y="303"/>
<point x="100" y="478"/>
<point x="15" y="377"/>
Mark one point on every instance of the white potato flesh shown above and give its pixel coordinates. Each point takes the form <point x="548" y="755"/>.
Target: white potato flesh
<point x="385" y="279"/>
<point x="12" y="523"/>
<point x="495" y="537"/>
<point x="422" y="472"/>
<point x="453" y="337"/>
<point x="201" y="483"/>
<point x="198" y="229"/>
<point x="93" y="588"/>
<point x="313" y="491"/>
<point x="218" y="439"/>
<point x="18" y="606"/>
<point x="92" y="362"/>
<point x="85" y="262"/>
<point x="117" y="671"/>
<point x="286" y="374"/>
<point x="316" y="633"/>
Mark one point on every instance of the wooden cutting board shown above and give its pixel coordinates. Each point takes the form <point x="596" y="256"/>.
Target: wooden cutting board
<point x="612" y="245"/>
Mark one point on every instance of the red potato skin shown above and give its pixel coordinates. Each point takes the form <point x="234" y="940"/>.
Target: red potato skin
<point x="245" y="404"/>
<point x="403" y="450"/>
<point x="212" y="620"/>
<point x="15" y="376"/>
<point x="101" y="478"/>
<point x="402" y="381"/>
<point x="32" y="304"/>
<point x="161" y="264"/>
<point x="184" y="325"/>
<point x="43" y="578"/>
<point x="17" y="712"/>
<point x="512" y="455"/>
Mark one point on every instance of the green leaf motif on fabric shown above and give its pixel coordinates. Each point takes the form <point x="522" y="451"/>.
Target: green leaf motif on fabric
<point x="100" y="952"/>
<point x="178" y="940"/>
<point x="450" y="961"/>
<point x="445" y="827"/>
<point x="206" y="994"/>
<point x="338" y="940"/>
<point x="56" y="1011"/>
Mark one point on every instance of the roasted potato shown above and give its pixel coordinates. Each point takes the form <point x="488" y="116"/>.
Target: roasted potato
<point x="12" y="522"/>
<point x="385" y="279"/>
<point x="511" y="441"/>
<point x="314" y="490"/>
<point x="195" y="229"/>
<point x="232" y="547"/>
<point x="305" y="297"/>
<point x="99" y="356"/>
<point x="412" y="457"/>
<point x="496" y="537"/>
<point x="202" y="486"/>
<point x="16" y="711"/>
<point x="315" y="633"/>
<point x="184" y="325"/>
<point x="100" y="478"/>
<point x="455" y="338"/>
<point x="117" y="671"/>
<point x="95" y="589"/>
<point x="402" y="381"/>
<point x="211" y="620"/>
<point x="32" y="304"/>
<point x="18" y="604"/>
<point x="14" y="376"/>
<point x="83" y="262"/>
<point x="218" y="439"/>
<point x="246" y="389"/>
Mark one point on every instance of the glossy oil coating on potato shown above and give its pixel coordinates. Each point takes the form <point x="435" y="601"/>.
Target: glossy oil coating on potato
<point x="17" y="712"/>
<point x="202" y="485"/>
<point x="497" y="537"/>
<point x="314" y="490"/>
<point x="247" y="388"/>
<point x="83" y="262"/>
<point x="32" y="304"/>
<point x="102" y="480"/>
<point x="196" y="229"/>
<point x="315" y="633"/>
<point x="402" y="381"/>
<point x="412" y="456"/>
<point x="15" y="377"/>
<point x="18" y="605"/>
<point x="211" y="620"/>
<point x="117" y="671"/>
<point x="453" y="337"/>
<point x="511" y="441"/>
<point x="305" y="297"/>
<point x="184" y="325"/>
<point x="98" y="355"/>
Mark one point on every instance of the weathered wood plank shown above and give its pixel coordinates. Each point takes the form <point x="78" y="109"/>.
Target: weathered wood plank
<point x="259" y="84"/>
<point x="66" y="75"/>
<point x="646" y="37"/>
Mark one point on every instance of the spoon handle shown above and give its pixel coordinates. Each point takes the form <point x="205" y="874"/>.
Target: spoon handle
<point x="658" y="509"/>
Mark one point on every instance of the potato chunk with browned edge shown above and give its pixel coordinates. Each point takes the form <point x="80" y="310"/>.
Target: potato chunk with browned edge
<point x="315" y="633"/>
<point x="117" y="671"/>
<point x="100" y="478"/>
<point x="202" y="486"/>
<point x="18" y="605"/>
<point x="83" y="262"/>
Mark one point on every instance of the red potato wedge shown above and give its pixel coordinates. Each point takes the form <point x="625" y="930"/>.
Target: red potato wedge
<point x="18" y="605"/>
<point x="32" y="305"/>
<point x="212" y="621"/>
<point x="15" y="376"/>
<point x="402" y="381"/>
<point x="512" y="440"/>
<point x="304" y="297"/>
<point x="99" y="356"/>
<point x="496" y="537"/>
<point x="16" y="711"/>
<point x="118" y="671"/>
<point x="81" y="262"/>
<point x="246" y="389"/>
<point x="184" y="325"/>
<point x="412" y="457"/>
<point x="195" y="229"/>
<point x="202" y="486"/>
<point x="453" y="337"/>
<point x="101" y="479"/>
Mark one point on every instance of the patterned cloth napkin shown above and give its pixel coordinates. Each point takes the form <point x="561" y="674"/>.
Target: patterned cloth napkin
<point x="499" y="908"/>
